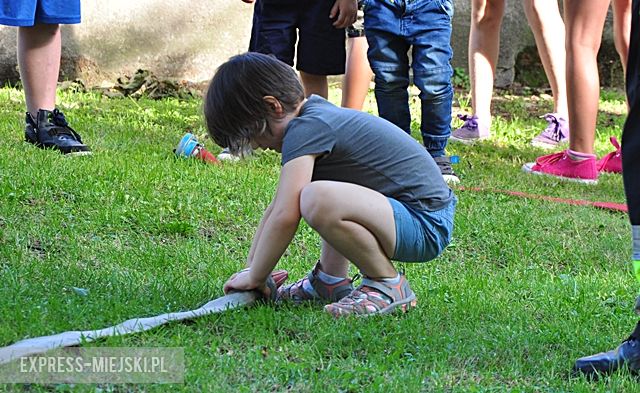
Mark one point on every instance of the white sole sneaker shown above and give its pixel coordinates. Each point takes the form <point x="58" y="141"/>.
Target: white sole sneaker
<point x="468" y="141"/>
<point x="528" y="168"/>
<point x="451" y="179"/>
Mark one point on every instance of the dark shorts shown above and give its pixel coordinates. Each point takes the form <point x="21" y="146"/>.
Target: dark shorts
<point x="31" y="12"/>
<point x="278" y="24"/>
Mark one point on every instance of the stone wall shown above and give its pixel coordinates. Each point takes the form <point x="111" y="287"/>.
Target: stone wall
<point x="188" y="39"/>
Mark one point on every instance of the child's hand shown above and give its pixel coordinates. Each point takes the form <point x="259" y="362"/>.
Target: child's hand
<point x="242" y="281"/>
<point x="345" y="11"/>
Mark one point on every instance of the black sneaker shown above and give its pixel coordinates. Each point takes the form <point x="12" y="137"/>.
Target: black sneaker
<point x="51" y="130"/>
<point x="627" y="355"/>
<point x="444" y="163"/>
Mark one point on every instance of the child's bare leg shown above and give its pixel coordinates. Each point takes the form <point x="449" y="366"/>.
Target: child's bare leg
<point x="356" y="221"/>
<point x="548" y="29"/>
<point x="332" y="262"/>
<point x="622" y="29"/>
<point x="39" y="49"/>
<point x="314" y="84"/>
<point x="357" y="75"/>
<point x="484" y="44"/>
<point x="584" y="23"/>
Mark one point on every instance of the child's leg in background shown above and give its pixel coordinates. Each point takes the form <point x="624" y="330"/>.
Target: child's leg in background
<point x="391" y="30"/>
<point x="483" y="49"/>
<point x="314" y="84"/>
<point x="428" y="26"/>
<point x="357" y="73"/>
<point x="484" y="45"/>
<point x="39" y="48"/>
<point x="548" y="30"/>
<point x="321" y="47"/>
<point x="622" y="29"/>
<point x="389" y="61"/>
<point x="584" y="23"/>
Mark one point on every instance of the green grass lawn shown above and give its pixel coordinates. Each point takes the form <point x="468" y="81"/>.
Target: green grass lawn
<point x="525" y="288"/>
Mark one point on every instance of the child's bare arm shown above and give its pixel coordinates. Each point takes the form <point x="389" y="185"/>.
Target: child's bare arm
<point x="345" y="11"/>
<point x="278" y="227"/>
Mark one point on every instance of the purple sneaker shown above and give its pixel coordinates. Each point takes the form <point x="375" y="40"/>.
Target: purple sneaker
<point x="557" y="132"/>
<point x="471" y="131"/>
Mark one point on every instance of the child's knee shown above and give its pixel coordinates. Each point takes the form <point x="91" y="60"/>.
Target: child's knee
<point x="434" y="85"/>
<point x="490" y="16"/>
<point x="391" y="79"/>
<point x="315" y="204"/>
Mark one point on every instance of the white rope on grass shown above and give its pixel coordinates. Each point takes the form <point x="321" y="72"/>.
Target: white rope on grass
<point x="37" y="345"/>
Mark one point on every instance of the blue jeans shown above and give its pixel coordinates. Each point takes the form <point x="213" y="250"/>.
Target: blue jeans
<point x="392" y="28"/>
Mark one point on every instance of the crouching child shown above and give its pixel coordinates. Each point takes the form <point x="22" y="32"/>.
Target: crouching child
<point x="371" y="191"/>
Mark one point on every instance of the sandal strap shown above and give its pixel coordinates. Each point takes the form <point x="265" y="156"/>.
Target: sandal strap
<point x="389" y="292"/>
<point x="312" y="287"/>
<point x="327" y="291"/>
<point x="375" y="297"/>
<point x="364" y="305"/>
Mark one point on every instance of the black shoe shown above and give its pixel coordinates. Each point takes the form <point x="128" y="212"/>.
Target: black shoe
<point x="444" y="163"/>
<point x="627" y="355"/>
<point x="51" y="130"/>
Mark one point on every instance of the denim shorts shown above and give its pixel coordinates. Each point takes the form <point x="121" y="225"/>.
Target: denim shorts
<point x="30" y="12"/>
<point x="421" y="235"/>
<point x="279" y="24"/>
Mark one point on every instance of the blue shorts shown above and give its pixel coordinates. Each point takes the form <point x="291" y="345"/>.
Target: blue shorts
<point x="31" y="12"/>
<point x="421" y="235"/>
<point x="278" y="24"/>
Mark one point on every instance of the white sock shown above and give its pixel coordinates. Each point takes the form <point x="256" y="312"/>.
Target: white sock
<point x="328" y="278"/>
<point x="393" y="280"/>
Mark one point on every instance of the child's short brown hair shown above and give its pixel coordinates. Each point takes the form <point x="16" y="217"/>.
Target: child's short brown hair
<point x="234" y="108"/>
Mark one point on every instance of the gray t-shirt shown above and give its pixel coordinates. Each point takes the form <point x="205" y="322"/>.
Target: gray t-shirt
<point x="360" y="148"/>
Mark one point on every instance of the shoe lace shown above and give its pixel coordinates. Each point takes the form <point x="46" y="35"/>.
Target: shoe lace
<point x="616" y="144"/>
<point x="609" y="156"/>
<point x="61" y="126"/>
<point x="444" y="165"/>
<point x="553" y="130"/>
<point x="550" y="158"/>
<point x="469" y="121"/>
